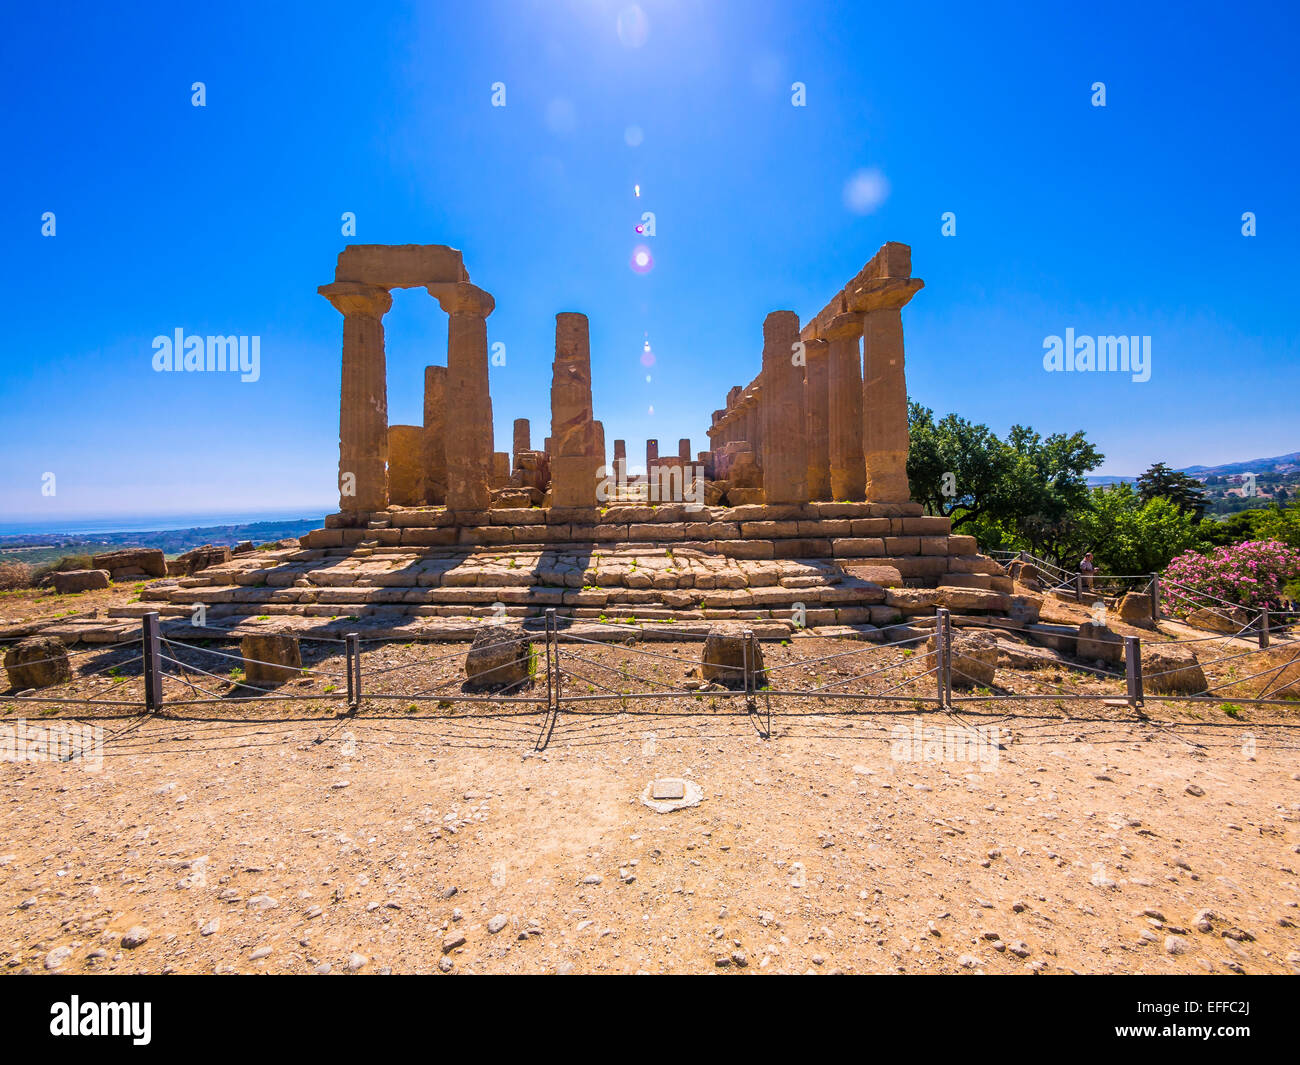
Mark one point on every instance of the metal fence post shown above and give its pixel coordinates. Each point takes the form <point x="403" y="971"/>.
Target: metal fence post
<point x="1155" y="597"/>
<point x="1133" y="669"/>
<point x="943" y="657"/>
<point x="1263" y="628"/>
<point x="552" y="679"/>
<point x="153" y="693"/>
<point x="744" y="658"/>
<point x="352" y="649"/>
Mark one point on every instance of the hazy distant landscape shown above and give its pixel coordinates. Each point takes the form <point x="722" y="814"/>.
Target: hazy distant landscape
<point x="36" y="549"/>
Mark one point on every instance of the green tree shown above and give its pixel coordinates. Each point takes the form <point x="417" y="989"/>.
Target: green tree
<point x="1160" y="482"/>
<point x="956" y="468"/>
<point x="1279" y="523"/>
<point x="1047" y="495"/>
<point x="1130" y="536"/>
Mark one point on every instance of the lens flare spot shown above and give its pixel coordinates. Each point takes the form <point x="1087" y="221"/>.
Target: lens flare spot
<point x="633" y="26"/>
<point x="642" y="261"/>
<point x="633" y="136"/>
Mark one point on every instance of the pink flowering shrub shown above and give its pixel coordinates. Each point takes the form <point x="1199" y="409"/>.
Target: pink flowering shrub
<point x="1250" y="574"/>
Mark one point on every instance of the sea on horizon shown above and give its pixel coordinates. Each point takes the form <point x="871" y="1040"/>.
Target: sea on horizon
<point x="91" y="526"/>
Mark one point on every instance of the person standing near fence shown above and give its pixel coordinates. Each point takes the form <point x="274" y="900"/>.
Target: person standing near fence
<point x="1086" y="570"/>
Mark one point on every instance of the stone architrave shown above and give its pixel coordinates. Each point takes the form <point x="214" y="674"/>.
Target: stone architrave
<point x="573" y="434"/>
<point x="844" y="397"/>
<point x="468" y="439"/>
<point x="785" y="449"/>
<point x="884" y="389"/>
<point x="435" y="429"/>
<point x="817" y="412"/>
<point x="363" y="410"/>
<point x="406" y="465"/>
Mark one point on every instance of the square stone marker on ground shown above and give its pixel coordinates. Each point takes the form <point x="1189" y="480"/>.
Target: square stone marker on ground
<point x="667" y="789"/>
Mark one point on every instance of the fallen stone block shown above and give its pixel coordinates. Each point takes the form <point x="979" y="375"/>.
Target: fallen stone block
<point x="1168" y="669"/>
<point x="270" y="659"/>
<point x="79" y="580"/>
<point x="37" y="662"/>
<point x="500" y="656"/>
<point x="726" y="656"/>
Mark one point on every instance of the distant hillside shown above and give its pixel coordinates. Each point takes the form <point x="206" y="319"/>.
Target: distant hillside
<point x="1278" y="464"/>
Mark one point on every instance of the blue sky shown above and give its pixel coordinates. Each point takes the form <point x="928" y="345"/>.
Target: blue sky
<point x="224" y="219"/>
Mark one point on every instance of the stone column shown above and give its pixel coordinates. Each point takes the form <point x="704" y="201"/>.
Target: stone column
<point x="684" y="450"/>
<point x="363" y="410"/>
<point x="500" y="477"/>
<point x="523" y="437"/>
<point x="817" y="412"/>
<point x="469" y="405"/>
<point x="573" y="436"/>
<point x="406" y="465"/>
<point x="784" y="457"/>
<point x="885" y="439"/>
<point x="620" y="451"/>
<point x="598" y="453"/>
<point x="435" y="429"/>
<point x="651" y="454"/>
<point x="844" y="392"/>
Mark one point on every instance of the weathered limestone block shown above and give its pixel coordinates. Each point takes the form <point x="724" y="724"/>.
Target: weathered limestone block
<point x="1224" y="619"/>
<point x="573" y="434"/>
<point x="974" y="657"/>
<point x="817" y="414"/>
<point x="406" y="456"/>
<point x="79" y="580"/>
<point x="363" y="409"/>
<point x="500" y="656"/>
<point x="500" y="469"/>
<point x="727" y="656"/>
<point x="1096" y="641"/>
<point x="1168" y="669"/>
<point x="200" y="558"/>
<point x="435" y="430"/>
<point x="844" y="374"/>
<point x="468" y="437"/>
<point x="400" y="265"/>
<point x="785" y="455"/>
<point x="1135" y="609"/>
<point x="132" y="561"/>
<point x="270" y="659"/>
<point x="37" y="662"/>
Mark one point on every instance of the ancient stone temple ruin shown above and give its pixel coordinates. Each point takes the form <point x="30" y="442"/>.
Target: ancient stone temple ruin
<point x="797" y="517"/>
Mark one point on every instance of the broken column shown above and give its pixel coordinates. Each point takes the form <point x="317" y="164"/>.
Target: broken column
<point x="406" y="465"/>
<point x="363" y="410"/>
<point x="817" y="414"/>
<point x="573" y="435"/>
<point x="844" y="390"/>
<point x="651" y="454"/>
<point x="785" y="454"/>
<point x="884" y="390"/>
<point x="468" y="440"/>
<point x="435" y="429"/>
<point x="523" y="440"/>
<point x="684" y="450"/>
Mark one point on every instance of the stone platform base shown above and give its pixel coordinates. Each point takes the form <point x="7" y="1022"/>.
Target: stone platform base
<point x="429" y="574"/>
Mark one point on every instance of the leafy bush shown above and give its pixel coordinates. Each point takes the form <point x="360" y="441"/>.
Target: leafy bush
<point x="1251" y="574"/>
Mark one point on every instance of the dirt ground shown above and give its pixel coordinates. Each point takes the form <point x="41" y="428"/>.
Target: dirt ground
<point x="1047" y="835"/>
